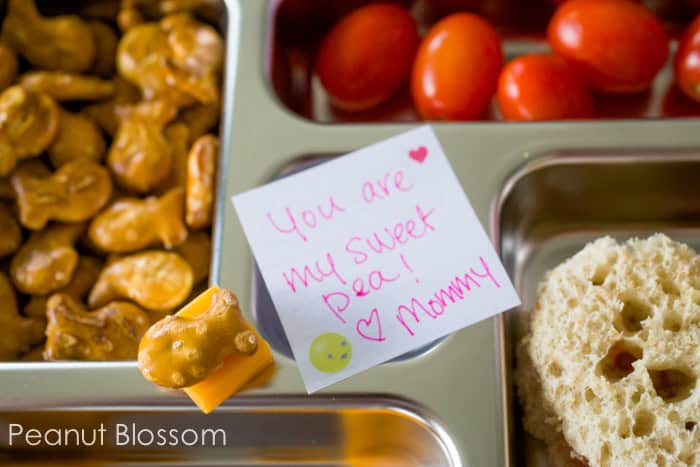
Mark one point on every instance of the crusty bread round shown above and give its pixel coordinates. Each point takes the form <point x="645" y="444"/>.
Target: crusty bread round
<point x="615" y="341"/>
<point x="538" y="417"/>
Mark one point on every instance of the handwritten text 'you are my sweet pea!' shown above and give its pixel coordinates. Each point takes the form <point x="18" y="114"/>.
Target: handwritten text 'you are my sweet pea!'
<point x="342" y="290"/>
<point x="372" y="255"/>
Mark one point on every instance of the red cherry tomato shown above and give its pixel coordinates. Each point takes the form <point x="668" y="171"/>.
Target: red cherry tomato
<point x="367" y="55"/>
<point x="687" y="64"/>
<point x="456" y="69"/>
<point x="618" y="45"/>
<point x="542" y="87"/>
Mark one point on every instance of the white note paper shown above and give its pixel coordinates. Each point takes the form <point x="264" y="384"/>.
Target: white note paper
<point x="372" y="255"/>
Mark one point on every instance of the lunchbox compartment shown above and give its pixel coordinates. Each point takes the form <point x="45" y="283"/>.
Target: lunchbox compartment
<point x="552" y="207"/>
<point x="213" y="12"/>
<point x="296" y="28"/>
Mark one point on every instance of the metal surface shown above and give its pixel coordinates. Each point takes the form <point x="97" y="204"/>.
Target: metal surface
<point x="281" y="431"/>
<point x="460" y="388"/>
<point x="553" y="206"/>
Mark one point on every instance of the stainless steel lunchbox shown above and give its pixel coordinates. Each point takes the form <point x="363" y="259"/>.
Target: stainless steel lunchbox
<point x="541" y="189"/>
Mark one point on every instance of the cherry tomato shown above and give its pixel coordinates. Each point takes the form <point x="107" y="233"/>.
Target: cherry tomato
<point x="367" y="55"/>
<point x="618" y="45"/>
<point x="687" y="64"/>
<point x="456" y="68"/>
<point x="542" y="87"/>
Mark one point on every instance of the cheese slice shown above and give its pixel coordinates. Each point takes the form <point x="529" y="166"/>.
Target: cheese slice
<point x="235" y="372"/>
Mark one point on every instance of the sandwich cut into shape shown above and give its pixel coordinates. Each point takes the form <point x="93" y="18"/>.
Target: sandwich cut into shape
<point x="608" y="371"/>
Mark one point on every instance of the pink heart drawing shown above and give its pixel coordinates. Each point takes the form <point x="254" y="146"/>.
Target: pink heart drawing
<point x="419" y="154"/>
<point x="374" y="334"/>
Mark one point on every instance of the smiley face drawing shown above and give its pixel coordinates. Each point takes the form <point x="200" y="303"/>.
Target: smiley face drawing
<point x="330" y="352"/>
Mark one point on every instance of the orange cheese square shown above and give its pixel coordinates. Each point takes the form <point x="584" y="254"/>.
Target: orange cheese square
<point x="235" y="372"/>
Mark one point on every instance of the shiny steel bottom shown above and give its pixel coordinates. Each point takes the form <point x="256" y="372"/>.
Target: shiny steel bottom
<point x="286" y="431"/>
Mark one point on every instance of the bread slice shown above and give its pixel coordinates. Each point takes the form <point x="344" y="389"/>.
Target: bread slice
<point x="614" y="341"/>
<point x="538" y="417"/>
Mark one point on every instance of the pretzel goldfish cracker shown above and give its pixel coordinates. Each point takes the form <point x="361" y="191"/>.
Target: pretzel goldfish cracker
<point x="74" y="193"/>
<point x="51" y="43"/>
<point x="207" y="345"/>
<point x="132" y="224"/>
<point x="109" y="333"/>
<point x="46" y="261"/>
<point x="177" y="351"/>
<point x="28" y="124"/>
<point x="201" y="178"/>
<point x="156" y="280"/>
<point x="140" y="156"/>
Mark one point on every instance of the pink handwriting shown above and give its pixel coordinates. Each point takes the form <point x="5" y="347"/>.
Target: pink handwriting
<point x="370" y="328"/>
<point x="455" y="292"/>
<point x="340" y="303"/>
<point x="375" y="279"/>
<point x="309" y="218"/>
<point x="309" y="275"/>
<point x="382" y="188"/>
<point x="408" y="267"/>
<point x="390" y="237"/>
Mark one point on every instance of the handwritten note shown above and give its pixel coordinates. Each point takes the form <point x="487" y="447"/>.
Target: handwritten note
<point x="372" y="255"/>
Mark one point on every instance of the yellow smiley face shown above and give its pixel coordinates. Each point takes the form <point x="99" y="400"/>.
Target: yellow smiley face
<point x="330" y="352"/>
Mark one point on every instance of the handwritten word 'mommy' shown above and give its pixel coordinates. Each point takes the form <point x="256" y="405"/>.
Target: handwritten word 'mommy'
<point x="382" y="187"/>
<point x="455" y="292"/>
<point x="393" y="236"/>
<point x="308" y="217"/>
